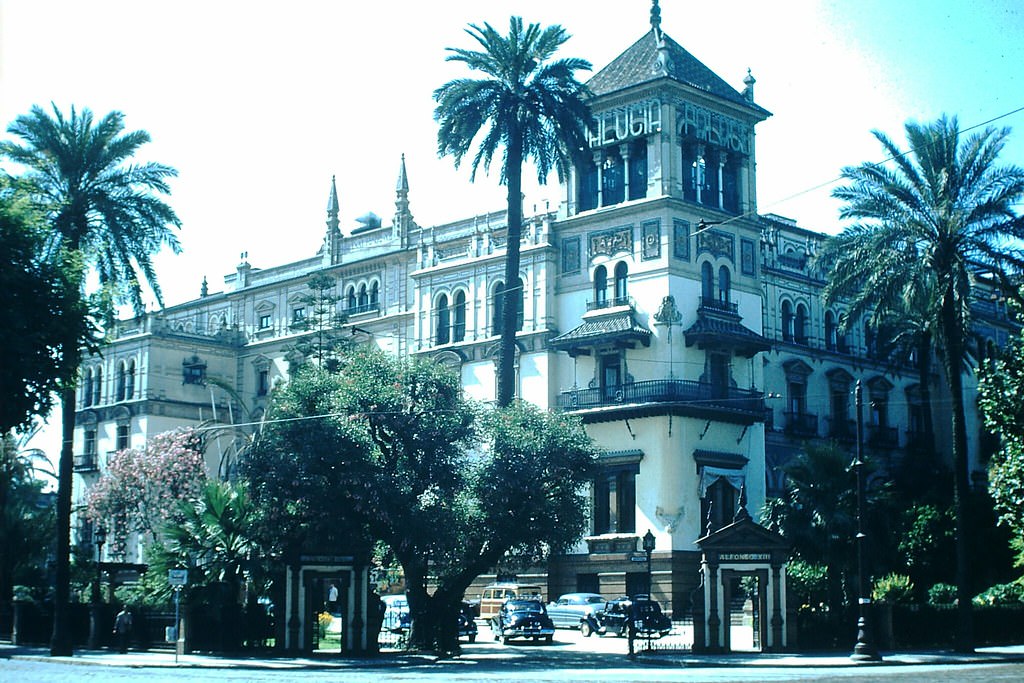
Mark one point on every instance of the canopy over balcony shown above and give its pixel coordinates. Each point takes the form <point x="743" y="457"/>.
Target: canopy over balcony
<point x="614" y="326"/>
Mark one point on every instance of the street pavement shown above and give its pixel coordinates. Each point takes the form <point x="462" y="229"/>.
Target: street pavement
<point x="566" y="652"/>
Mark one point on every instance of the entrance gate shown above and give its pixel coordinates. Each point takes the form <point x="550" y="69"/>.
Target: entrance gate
<point x="742" y="560"/>
<point x="326" y="585"/>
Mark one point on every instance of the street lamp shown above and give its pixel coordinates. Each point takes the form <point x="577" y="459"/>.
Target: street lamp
<point x="863" y="651"/>
<point x="99" y="537"/>
<point x="648" y="548"/>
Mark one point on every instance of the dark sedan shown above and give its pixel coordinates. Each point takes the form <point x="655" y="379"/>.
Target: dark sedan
<point x="522" y="619"/>
<point x="615" y="617"/>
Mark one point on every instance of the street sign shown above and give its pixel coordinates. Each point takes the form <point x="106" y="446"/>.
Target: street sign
<point x="638" y="557"/>
<point x="177" y="577"/>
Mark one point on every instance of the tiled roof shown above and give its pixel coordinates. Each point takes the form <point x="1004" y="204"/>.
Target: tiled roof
<point x="639" y="64"/>
<point x="603" y="328"/>
<point x="710" y="329"/>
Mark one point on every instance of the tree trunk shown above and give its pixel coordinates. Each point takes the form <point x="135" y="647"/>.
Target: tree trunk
<point x="511" y="295"/>
<point x="952" y="359"/>
<point x="60" y="642"/>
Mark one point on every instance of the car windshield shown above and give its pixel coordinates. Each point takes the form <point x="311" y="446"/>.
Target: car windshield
<point x="595" y="600"/>
<point x="525" y="606"/>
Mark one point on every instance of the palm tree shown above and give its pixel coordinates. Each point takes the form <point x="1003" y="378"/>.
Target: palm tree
<point x="532" y="107"/>
<point x="926" y="223"/>
<point x="104" y="215"/>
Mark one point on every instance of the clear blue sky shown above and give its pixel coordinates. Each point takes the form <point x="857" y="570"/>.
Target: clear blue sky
<point x="258" y="104"/>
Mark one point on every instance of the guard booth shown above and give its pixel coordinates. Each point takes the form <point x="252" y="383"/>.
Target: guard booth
<point x="743" y="580"/>
<point x="332" y="584"/>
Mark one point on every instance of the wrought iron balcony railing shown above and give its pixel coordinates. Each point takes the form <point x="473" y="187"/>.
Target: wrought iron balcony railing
<point x="609" y="303"/>
<point x="708" y="303"/>
<point x="801" y="424"/>
<point x="85" y="462"/>
<point x="696" y="394"/>
<point x="842" y="430"/>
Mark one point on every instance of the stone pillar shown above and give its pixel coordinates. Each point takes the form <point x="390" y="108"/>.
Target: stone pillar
<point x="721" y="175"/>
<point x="599" y="162"/>
<point x="778" y="636"/>
<point x="701" y="171"/>
<point x="624" y="153"/>
<point x="744" y="185"/>
<point x="714" y="620"/>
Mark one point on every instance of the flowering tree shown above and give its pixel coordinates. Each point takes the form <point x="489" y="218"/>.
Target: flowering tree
<point x="141" y="489"/>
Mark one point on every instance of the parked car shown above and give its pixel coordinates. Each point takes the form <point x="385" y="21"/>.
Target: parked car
<point x="466" y="623"/>
<point x="615" y="617"/>
<point x="572" y="609"/>
<point x="495" y="595"/>
<point x="522" y="619"/>
<point x="396" y="607"/>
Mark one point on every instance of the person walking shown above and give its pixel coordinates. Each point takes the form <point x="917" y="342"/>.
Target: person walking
<point x="123" y="628"/>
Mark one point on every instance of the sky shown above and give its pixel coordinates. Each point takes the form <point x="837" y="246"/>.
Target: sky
<point x="258" y="104"/>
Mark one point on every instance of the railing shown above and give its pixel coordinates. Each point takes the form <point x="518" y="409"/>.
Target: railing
<point x="708" y="303"/>
<point x="85" y="462"/>
<point x="699" y="394"/>
<point x="609" y="303"/>
<point x="364" y="308"/>
<point x="801" y="424"/>
<point x="843" y="430"/>
<point x="797" y="261"/>
<point x="883" y="437"/>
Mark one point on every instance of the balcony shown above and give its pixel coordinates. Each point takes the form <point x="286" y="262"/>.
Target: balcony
<point x="801" y="425"/>
<point x="684" y="397"/>
<point x="842" y="430"/>
<point x="363" y="308"/>
<point x="710" y="304"/>
<point x="883" y="437"/>
<point x="85" y="462"/>
<point x="614" y="302"/>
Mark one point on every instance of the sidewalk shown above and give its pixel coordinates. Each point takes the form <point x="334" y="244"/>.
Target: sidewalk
<point x="166" y="658"/>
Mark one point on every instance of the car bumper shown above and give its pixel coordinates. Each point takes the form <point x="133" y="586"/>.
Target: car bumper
<point x="527" y="632"/>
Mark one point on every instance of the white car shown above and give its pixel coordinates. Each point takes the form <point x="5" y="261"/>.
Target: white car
<point x="395" y="607"/>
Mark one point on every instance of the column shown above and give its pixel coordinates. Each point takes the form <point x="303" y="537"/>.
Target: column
<point x="624" y="153"/>
<point x="744" y="185"/>
<point x="700" y="170"/>
<point x="721" y="174"/>
<point x="599" y="162"/>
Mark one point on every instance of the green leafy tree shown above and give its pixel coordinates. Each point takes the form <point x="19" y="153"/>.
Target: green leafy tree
<point x="38" y="304"/>
<point x="26" y="516"/>
<point x="925" y="222"/>
<point x="104" y="213"/>
<point x="451" y="492"/>
<point x="1002" y="385"/>
<point x="531" y="106"/>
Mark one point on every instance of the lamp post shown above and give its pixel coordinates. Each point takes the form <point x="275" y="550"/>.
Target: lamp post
<point x="99" y="537"/>
<point x="649" y="548"/>
<point x="863" y="651"/>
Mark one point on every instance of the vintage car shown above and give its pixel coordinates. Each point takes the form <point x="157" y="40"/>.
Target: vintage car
<point x="466" y="624"/>
<point x="522" y="619"/>
<point x="495" y="595"/>
<point x="396" y="611"/>
<point x="572" y="609"/>
<point x="615" y="617"/>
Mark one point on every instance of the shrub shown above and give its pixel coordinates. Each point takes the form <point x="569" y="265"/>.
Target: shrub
<point x="893" y="589"/>
<point x="1001" y="594"/>
<point x="942" y="594"/>
<point x="808" y="583"/>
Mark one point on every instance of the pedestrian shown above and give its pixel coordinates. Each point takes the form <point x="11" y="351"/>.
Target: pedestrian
<point x="123" y="628"/>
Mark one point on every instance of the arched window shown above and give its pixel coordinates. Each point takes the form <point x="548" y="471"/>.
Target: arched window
<point x="498" y="300"/>
<point x="97" y="387"/>
<point x="443" y="329"/>
<point x="375" y="294"/>
<point x="870" y="341"/>
<point x="459" y="316"/>
<point x="800" y="325"/>
<point x="830" y="331"/>
<point x="787" y="321"/>
<point x="87" y="388"/>
<point x="724" y="283"/>
<point x="364" y="298"/>
<point x="350" y="298"/>
<point x="621" y="272"/>
<point x="129" y="385"/>
<point x="119" y="383"/>
<point x="600" y="286"/>
<point x="707" y="281"/>
<point x="518" y="298"/>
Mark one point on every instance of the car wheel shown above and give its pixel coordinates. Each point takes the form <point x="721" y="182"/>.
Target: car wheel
<point x="548" y="640"/>
<point x="507" y="640"/>
<point x="586" y="629"/>
<point x="472" y="638"/>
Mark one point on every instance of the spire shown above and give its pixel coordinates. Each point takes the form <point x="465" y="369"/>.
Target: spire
<point x="403" y="180"/>
<point x="741" y="509"/>
<point x="656" y="19"/>
<point x="204" y="290"/>
<point x="403" y="217"/>
<point x="332" y="239"/>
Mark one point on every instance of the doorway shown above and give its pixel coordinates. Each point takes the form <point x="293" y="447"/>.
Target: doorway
<point x="746" y="605"/>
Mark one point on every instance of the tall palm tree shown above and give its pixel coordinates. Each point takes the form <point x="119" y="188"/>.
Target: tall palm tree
<point x="534" y="109"/>
<point x="941" y="212"/>
<point x="105" y="216"/>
